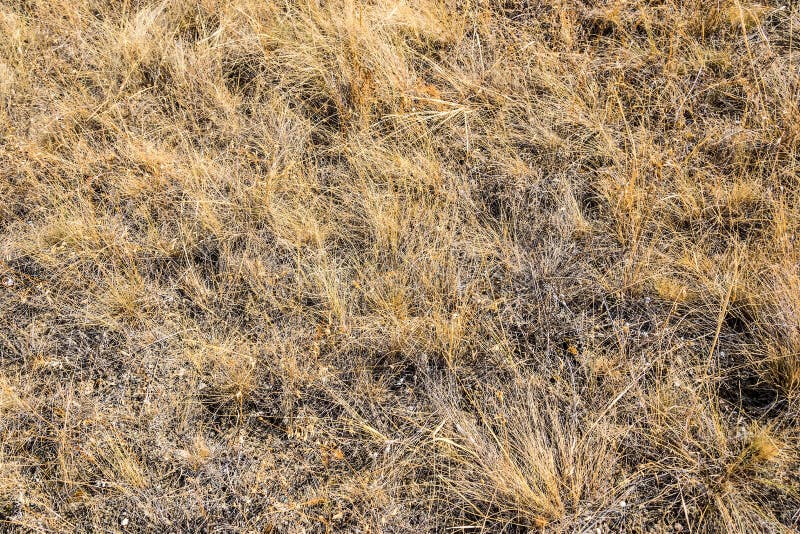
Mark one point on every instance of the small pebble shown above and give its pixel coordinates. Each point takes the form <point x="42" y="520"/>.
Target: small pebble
<point x="124" y="522"/>
<point x="8" y="281"/>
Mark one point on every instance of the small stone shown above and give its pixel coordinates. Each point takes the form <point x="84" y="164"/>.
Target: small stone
<point x="124" y="522"/>
<point x="678" y="527"/>
<point x="8" y="281"/>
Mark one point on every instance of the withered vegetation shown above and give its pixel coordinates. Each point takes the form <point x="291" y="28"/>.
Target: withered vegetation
<point x="399" y="266"/>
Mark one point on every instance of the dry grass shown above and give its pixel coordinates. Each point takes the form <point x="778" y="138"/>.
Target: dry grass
<point x="399" y="266"/>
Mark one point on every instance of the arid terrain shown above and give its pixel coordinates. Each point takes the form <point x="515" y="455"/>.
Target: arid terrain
<point x="399" y="266"/>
